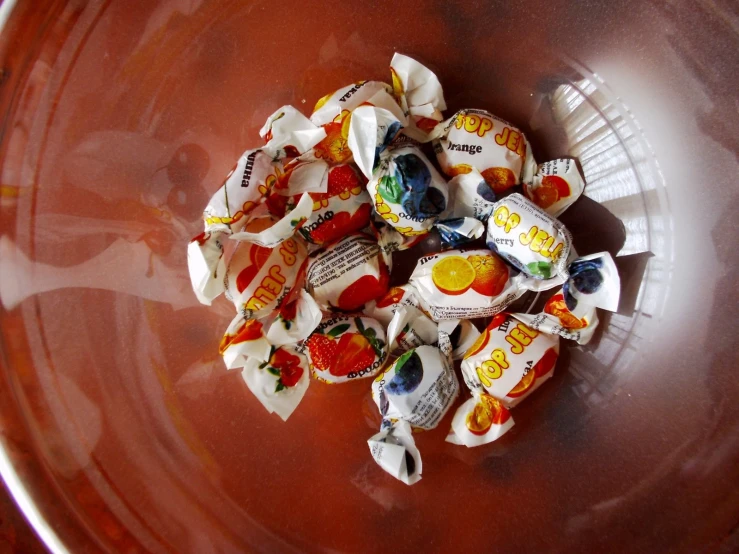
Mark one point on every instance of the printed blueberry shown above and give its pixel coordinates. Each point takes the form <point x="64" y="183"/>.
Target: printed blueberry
<point x="433" y="203"/>
<point x="392" y="130"/>
<point x="570" y="301"/>
<point x="408" y="374"/>
<point x="585" y="276"/>
<point x="484" y="190"/>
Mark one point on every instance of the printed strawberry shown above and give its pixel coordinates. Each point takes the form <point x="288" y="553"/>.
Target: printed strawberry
<point x="288" y="366"/>
<point x="357" y="351"/>
<point x="363" y="290"/>
<point x="323" y="350"/>
<point x="342" y="178"/>
<point x="285" y="366"/>
<point x="341" y="224"/>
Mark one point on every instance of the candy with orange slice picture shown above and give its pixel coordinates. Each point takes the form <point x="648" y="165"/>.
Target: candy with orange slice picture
<point x="556" y="306"/>
<point x="453" y="275"/>
<point x="491" y="274"/>
<point x="524" y="385"/>
<point x="487" y="412"/>
<point x="500" y="179"/>
<point x="459" y="169"/>
<point x="551" y="190"/>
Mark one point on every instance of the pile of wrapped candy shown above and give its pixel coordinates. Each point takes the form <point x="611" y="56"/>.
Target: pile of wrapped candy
<point x="314" y="216"/>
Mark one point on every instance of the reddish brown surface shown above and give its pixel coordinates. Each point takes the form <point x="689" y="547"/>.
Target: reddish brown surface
<point x="116" y="411"/>
<point x="16" y="535"/>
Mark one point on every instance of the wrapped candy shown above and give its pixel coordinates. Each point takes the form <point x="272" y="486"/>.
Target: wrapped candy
<point x="415" y="391"/>
<point x="343" y="348"/>
<point x="477" y="140"/>
<point x="593" y="282"/>
<point x="273" y="369"/>
<point x="343" y="209"/>
<point x="362" y="119"/>
<point x="407" y="191"/>
<point x="555" y="186"/>
<point x="420" y="94"/>
<point x="466" y="284"/>
<point x="471" y="196"/>
<point x="256" y="173"/>
<point x="258" y="278"/>
<point x="507" y="363"/>
<point x="413" y="110"/>
<point x="347" y="274"/>
<point x="383" y="309"/>
<point x="333" y="112"/>
<point x="479" y="144"/>
<point x="416" y="329"/>
<point x="280" y="382"/>
<point x="419" y="328"/>
<point x="530" y="239"/>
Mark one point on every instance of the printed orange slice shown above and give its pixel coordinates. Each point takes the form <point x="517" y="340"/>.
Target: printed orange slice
<point x="453" y="275"/>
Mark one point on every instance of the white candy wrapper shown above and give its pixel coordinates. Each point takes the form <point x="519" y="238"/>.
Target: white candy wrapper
<point x="347" y="274"/>
<point x="471" y="196"/>
<point x="420" y="94"/>
<point x="555" y="186"/>
<point x="414" y="109"/>
<point x="334" y="113"/>
<point x="372" y="129"/>
<point x="501" y="360"/>
<point x="383" y="309"/>
<point x="258" y="279"/>
<point x="273" y="368"/>
<point x="295" y="320"/>
<point x="282" y="229"/>
<point x="417" y="390"/>
<point x="466" y="284"/>
<point x="289" y="133"/>
<point x="411" y="329"/>
<point x="477" y="140"/>
<point x="530" y="239"/>
<point x="246" y="337"/>
<point x="463" y="337"/>
<point x="280" y="382"/>
<point x="407" y="191"/>
<point x="344" y="207"/>
<point x="571" y="313"/>
<point x="343" y="101"/>
<point x="245" y="188"/>
<point x="395" y="451"/>
<point x="479" y="420"/>
<point x="505" y="365"/>
<point x="343" y="348"/>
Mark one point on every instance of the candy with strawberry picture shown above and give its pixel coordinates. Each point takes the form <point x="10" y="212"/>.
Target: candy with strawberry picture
<point x="279" y="382"/>
<point x="345" y="348"/>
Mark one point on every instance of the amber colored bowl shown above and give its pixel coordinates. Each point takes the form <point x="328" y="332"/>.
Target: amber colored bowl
<point x="122" y="430"/>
